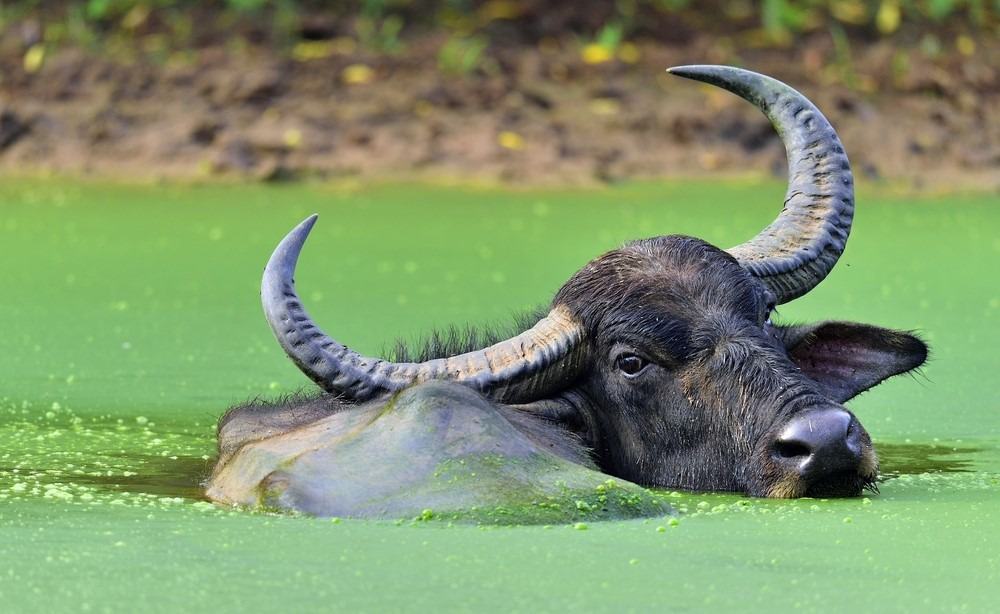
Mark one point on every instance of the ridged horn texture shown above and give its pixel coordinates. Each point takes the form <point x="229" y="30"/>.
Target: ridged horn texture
<point x="509" y="371"/>
<point x="801" y="247"/>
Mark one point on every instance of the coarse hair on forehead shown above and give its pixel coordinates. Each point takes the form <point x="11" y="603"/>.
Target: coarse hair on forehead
<point x="673" y="272"/>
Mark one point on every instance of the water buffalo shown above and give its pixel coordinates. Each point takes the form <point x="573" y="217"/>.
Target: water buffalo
<point x="657" y="364"/>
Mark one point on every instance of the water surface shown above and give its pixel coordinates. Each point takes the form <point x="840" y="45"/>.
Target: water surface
<point x="132" y="320"/>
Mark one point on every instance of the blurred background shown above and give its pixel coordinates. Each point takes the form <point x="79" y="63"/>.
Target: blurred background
<point x="537" y="91"/>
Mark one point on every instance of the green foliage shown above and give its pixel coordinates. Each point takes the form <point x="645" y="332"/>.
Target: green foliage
<point x="246" y="6"/>
<point x="842" y="56"/>
<point x="884" y="15"/>
<point x="672" y="5"/>
<point x="381" y="25"/>
<point x="98" y="9"/>
<point x="782" y="15"/>
<point x="462" y="55"/>
<point x="378" y="27"/>
<point x="611" y="35"/>
<point x="380" y="34"/>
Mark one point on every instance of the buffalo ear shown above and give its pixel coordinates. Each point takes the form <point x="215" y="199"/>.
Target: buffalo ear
<point x="847" y="358"/>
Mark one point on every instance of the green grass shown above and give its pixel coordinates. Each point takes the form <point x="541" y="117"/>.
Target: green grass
<point x="132" y="320"/>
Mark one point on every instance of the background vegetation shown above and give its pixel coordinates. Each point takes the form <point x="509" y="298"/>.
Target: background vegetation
<point x="539" y="90"/>
<point x="310" y="28"/>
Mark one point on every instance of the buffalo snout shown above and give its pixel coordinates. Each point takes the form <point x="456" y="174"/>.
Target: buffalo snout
<point x="825" y="452"/>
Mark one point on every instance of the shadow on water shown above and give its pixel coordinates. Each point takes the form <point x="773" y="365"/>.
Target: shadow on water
<point x="184" y="476"/>
<point x="908" y="459"/>
<point x="156" y="475"/>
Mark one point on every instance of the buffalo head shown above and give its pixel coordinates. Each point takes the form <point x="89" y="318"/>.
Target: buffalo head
<point x="661" y="356"/>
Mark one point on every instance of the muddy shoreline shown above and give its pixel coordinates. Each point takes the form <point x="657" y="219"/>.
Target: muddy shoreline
<point x="536" y="117"/>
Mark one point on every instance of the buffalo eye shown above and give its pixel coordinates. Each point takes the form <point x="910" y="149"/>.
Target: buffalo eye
<point x="630" y="364"/>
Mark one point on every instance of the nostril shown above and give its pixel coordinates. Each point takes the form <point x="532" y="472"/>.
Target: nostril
<point x="819" y="442"/>
<point x="791" y="449"/>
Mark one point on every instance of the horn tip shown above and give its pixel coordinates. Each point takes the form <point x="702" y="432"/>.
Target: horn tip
<point x="298" y="235"/>
<point x="680" y="70"/>
<point x="281" y="265"/>
<point x="707" y="72"/>
<point x="690" y="70"/>
<point x="308" y="223"/>
<point x="302" y="231"/>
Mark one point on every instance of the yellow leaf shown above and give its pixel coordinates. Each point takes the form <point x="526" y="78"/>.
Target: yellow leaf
<point x="596" y="54"/>
<point x="357" y="74"/>
<point x="135" y="17"/>
<point x="850" y="11"/>
<point x="629" y="53"/>
<point x="303" y="51"/>
<point x="604" y="106"/>
<point x="510" y="140"/>
<point x="499" y="9"/>
<point x="965" y="44"/>
<point x="887" y="18"/>
<point x="293" y="138"/>
<point x="34" y="58"/>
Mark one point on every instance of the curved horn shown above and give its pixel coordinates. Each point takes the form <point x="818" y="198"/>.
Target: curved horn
<point x="529" y="362"/>
<point x="803" y="244"/>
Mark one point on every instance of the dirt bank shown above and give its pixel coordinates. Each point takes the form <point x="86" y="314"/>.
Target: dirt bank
<point x="536" y="115"/>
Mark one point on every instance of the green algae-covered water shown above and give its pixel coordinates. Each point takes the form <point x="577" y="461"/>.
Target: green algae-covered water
<point x="131" y="320"/>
